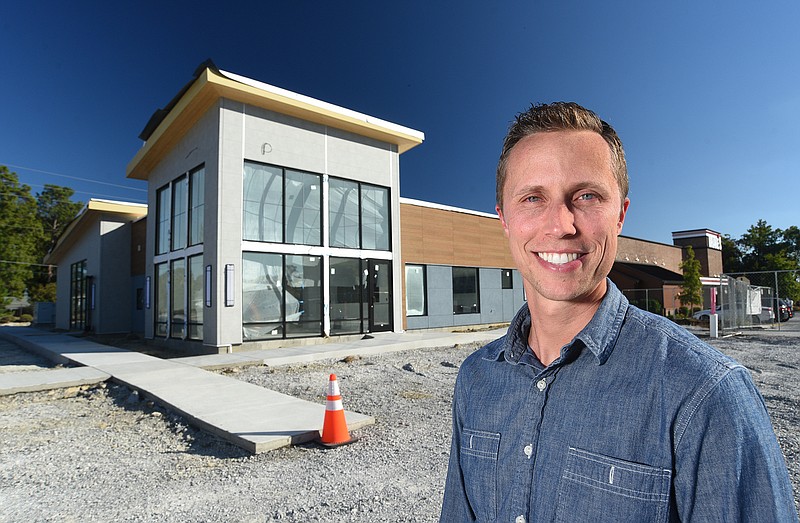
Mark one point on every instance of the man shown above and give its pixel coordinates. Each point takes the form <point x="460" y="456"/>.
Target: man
<point x="590" y="409"/>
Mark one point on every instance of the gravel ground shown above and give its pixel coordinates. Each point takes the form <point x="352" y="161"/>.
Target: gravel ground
<point x="100" y="454"/>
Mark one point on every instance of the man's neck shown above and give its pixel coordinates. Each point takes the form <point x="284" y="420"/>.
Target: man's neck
<point x="554" y="324"/>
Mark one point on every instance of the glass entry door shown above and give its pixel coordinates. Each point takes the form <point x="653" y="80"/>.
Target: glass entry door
<point x="380" y="295"/>
<point x="360" y="296"/>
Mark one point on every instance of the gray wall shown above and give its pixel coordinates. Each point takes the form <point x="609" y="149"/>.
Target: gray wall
<point x="113" y="281"/>
<point x="227" y="135"/>
<point x="497" y="305"/>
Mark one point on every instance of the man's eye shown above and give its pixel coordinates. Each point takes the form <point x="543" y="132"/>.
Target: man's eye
<point x="532" y="199"/>
<point x="587" y="196"/>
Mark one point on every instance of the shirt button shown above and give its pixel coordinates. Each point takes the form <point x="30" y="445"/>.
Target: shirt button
<point x="520" y="519"/>
<point x="528" y="450"/>
<point x="541" y="385"/>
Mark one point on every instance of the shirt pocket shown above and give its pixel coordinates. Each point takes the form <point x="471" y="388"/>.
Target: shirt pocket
<point x="479" y="451"/>
<point x="597" y="488"/>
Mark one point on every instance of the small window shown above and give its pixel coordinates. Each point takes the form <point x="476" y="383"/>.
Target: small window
<point x="506" y="278"/>
<point x="415" y="290"/>
<point x="466" y="298"/>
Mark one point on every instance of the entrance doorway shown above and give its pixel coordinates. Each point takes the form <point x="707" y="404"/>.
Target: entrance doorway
<point x="360" y="296"/>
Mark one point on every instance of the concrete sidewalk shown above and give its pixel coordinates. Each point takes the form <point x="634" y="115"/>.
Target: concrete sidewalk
<point x="252" y="417"/>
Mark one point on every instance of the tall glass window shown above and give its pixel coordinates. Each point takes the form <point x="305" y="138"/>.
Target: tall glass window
<point x="196" y="205"/>
<point x="466" y="298"/>
<point x="281" y="206"/>
<point x="162" y="299"/>
<point x="281" y="296"/>
<point x="344" y="213"/>
<point x="196" y="283"/>
<point x="162" y="220"/>
<point x="77" y="295"/>
<point x="262" y="295"/>
<point x="178" y="295"/>
<point x="359" y="215"/>
<point x="303" y="208"/>
<point x="303" y="295"/>
<point x="180" y="213"/>
<point x="263" y="203"/>
<point x="415" y="290"/>
<point x="375" y="218"/>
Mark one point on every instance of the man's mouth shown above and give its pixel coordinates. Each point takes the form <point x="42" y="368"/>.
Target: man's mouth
<point x="558" y="258"/>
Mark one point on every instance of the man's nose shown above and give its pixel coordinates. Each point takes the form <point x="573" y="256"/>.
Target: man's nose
<point x="561" y="220"/>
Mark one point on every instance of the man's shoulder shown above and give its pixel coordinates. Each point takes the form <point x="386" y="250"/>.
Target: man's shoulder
<point x="672" y="342"/>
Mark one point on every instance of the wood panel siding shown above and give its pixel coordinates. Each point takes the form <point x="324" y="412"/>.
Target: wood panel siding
<point x="433" y="236"/>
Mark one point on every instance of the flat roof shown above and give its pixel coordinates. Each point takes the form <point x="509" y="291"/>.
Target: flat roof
<point x="431" y="205"/>
<point x="168" y="125"/>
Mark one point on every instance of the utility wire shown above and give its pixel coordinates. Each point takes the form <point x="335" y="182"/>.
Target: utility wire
<point x="27" y="263"/>
<point x="75" y="177"/>
<point x="136" y="200"/>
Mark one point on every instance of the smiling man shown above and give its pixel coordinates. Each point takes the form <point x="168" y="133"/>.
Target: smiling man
<point x="590" y="409"/>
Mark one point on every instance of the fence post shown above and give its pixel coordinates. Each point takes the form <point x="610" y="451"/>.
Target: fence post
<point x="777" y="301"/>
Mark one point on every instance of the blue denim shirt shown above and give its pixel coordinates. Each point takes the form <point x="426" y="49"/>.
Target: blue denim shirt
<point x="637" y="420"/>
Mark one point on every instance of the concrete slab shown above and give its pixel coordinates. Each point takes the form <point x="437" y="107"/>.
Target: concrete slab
<point x="34" y="381"/>
<point x="252" y="417"/>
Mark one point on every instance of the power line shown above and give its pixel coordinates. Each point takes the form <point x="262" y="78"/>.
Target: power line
<point x="27" y="263"/>
<point x="96" y="194"/>
<point x="75" y="178"/>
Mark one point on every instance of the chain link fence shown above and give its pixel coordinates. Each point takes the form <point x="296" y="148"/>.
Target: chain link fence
<point x="757" y="298"/>
<point x="651" y="300"/>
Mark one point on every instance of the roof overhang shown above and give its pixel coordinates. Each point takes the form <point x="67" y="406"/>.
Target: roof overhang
<point x="131" y="211"/>
<point x="169" y="125"/>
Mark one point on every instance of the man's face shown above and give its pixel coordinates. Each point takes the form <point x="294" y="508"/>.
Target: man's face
<point x="562" y="212"/>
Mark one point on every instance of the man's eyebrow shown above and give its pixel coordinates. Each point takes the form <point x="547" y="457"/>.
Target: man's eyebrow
<point x="579" y="186"/>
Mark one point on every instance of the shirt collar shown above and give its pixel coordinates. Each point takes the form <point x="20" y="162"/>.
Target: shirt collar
<point x="599" y="335"/>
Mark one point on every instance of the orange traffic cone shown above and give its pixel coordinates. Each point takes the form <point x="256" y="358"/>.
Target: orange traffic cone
<point x="334" y="429"/>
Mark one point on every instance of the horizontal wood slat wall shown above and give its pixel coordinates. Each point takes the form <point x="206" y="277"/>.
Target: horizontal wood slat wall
<point x="442" y="237"/>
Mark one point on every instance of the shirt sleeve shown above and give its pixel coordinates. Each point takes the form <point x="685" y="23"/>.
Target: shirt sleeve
<point x="455" y="507"/>
<point x="728" y="464"/>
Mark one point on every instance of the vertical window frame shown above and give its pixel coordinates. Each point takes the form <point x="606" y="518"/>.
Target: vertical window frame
<point x="195" y="209"/>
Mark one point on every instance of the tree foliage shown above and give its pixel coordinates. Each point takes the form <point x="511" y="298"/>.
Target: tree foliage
<point x="29" y="227"/>
<point x="20" y="231"/>
<point x="763" y="248"/>
<point x="692" y="289"/>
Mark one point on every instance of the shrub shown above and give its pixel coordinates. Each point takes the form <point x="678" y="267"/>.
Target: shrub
<point x="26" y="318"/>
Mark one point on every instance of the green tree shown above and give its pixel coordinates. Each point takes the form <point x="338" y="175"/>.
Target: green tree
<point x="55" y="210"/>
<point x="791" y="239"/>
<point x="21" y="232"/>
<point x="692" y="289"/>
<point x="759" y="241"/>
<point x="731" y="255"/>
<point x="763" y="248"/>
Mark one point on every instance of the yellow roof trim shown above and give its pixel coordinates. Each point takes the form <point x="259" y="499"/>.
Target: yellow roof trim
<point x="138" y="209"/>
<point x="210" y="86"/>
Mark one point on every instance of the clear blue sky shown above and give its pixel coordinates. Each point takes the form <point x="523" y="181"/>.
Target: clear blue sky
<point x="705" y="95"/>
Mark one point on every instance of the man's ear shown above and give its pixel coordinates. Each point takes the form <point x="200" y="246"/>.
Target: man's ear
<point x="622" y="212"/>
<point x="499" y="212"/>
